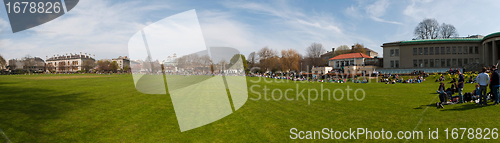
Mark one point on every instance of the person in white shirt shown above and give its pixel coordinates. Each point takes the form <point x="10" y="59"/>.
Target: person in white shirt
<point x="482" y="79"/>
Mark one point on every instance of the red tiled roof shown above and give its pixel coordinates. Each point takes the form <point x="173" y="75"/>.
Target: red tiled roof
<point x="350" y="56"/>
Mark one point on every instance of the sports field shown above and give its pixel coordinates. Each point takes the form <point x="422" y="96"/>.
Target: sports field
<point x="108" y="108"/>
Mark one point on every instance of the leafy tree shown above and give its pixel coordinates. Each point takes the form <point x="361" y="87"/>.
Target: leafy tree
<point x="113" y="66"/>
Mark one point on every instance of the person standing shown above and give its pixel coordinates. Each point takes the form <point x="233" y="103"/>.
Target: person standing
<point x="460" y="86"/>
<point x="482" y="79"/>
<point x="495" y="83"/>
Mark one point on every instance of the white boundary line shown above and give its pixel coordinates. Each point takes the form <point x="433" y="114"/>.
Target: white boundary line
<point x="5" y="136"/>
<point x="422" y="116"/>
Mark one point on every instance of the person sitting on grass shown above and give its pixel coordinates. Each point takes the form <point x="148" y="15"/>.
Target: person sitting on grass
<point x="442" y="95"/>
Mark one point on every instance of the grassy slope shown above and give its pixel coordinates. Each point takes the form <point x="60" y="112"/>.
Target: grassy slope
<point x="109" y="109"/>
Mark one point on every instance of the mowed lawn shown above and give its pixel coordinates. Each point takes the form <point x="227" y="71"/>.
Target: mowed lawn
<point x="108" y="108"/>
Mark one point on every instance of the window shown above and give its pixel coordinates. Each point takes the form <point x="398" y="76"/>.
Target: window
<point x="448" y="50"/>
<point x="471" y="50"/>
<point x="454" y="62"/>
<point x="392" y="64"/>
<point x="466" y="61"/>
<point x="431" y="63"/>
<point x="420" y="52"/>
<point x="396" y="52"/>
<point x="415" y="63"/>
<point x="426" y="63"/>
<point x="459" y="49"/>
<point x="392" y="53"/>
<point x="442" y="50"/>
<point x="414" y="51"/>
<point x="443" y="63"/>
<point x="466" y="49"/>
<point x="459" y="62"/>
<point x="477" y="59"/>
<point x="454" y="50"/>
<point x="426" y="51"/>
<point x="420" y="63"/>
<point x="431" y="51"/>
<point x="397" y="63"/>
<point x="437" y="50"/>
<point x="437" y="63"/>
<point x="471" y="60"/>
<point x="448" y="62"/>
<point x="476" y="50"/>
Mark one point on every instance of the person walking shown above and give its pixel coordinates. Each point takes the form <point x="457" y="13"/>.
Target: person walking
<point x="495" y="83"/>
<point x="482" y="79"/>
<point x="460" y="86"/>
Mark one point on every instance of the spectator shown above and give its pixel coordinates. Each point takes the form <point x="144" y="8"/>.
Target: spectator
<point x="494" y="83"/>
<point x="482" y="79"/>
<point x="442" y="95"/>
<point x="460" y="86"/>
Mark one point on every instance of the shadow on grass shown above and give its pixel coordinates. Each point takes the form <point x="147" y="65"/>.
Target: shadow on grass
<point x="462" y="107"/>
<point x="422" y="106"/>
<point x="25" y="110"/>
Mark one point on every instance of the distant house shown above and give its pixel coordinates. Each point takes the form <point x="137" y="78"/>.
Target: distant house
<point x="350" y="59"/>
<point x="68" y="63"/>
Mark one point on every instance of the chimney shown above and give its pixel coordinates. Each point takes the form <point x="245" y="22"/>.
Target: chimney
<point x="333" y="49"/>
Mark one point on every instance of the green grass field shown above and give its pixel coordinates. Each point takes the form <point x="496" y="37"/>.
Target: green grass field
<point x="108" y="108"/>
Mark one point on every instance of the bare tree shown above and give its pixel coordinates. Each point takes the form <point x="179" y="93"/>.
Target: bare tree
<point x="87" y="65"/>
<point x="447" y="31"/>
<point x="290" y="60"/>
<point x="314" y="53"/>
<point x="50" y="67"/>
<point x="28" y="62"/>
<point x="268" y="58"/>
<point x="342" y="49"/>
<point x="427" y="29"/>
<point x="252" y="59"/>
<point x="103" y="65"/>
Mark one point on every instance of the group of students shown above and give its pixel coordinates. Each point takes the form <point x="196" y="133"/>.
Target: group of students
<point x="397" y="79"/>
<point x="479" y="94"/>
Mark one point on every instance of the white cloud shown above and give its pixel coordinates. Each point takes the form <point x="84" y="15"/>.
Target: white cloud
<point x="94" y="26"/>
<point x="377" y="10"/>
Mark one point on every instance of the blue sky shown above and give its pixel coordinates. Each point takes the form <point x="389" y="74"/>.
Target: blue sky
<point x="103" y="27"/>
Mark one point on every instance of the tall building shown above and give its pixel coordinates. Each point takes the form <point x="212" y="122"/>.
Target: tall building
<point x="465" y="52"/>
<point x="69" y="62"/>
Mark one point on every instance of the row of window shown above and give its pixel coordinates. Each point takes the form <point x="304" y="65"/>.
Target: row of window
<point x="443" y="62"/>
<point x="445" y="50"/>
<point x="395" y="64"/>
<point x="394" y="52"/>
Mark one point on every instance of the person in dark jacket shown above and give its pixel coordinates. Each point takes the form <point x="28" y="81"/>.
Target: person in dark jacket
<point x="460" y="86"/>
<point x="495" y="83"/>
<point x="442" y="95"/>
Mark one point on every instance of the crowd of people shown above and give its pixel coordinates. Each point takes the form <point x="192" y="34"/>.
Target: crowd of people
<point x="479" y="95"/>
